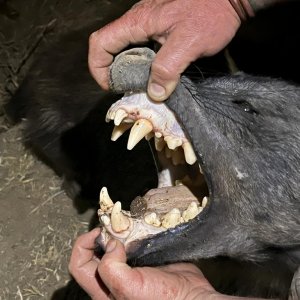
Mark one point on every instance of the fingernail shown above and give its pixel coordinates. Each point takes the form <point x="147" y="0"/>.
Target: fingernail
<point x="157" y="90"/>
<point x="111" y="245"/>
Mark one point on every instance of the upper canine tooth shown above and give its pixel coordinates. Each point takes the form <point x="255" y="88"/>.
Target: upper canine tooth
<point x="120" y="115"/>
<point x="119" y="130"/>
<point x="138" y="131"/>
<point x="173" y="142"/>
<point x="152" y="219"/>
<point x="119" y="222"/>
<point x="172" y="218"/>
<point x="105" y="202"/>
<point x="191" y="212"/>
<point x="189" y="153"/>
<point x="159" y="143"/>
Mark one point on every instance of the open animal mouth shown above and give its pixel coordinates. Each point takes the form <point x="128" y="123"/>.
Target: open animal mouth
<point x="182" y="193"/>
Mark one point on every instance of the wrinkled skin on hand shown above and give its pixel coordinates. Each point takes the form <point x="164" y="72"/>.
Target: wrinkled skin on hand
<point x="111" y="276"/>
<point x="196" y="29"/>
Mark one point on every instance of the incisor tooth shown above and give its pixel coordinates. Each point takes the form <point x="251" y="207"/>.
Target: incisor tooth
<point x="191" y="212"/>
<point x="172" y="142"/>
<point x="104" y="200"/>
<point x="152" y="219"/>
<point x="119" y="130"/>
<point x="105" y="220"/>
<point x="110" y="115"/>
<point x="204" y="201"/>
<point x="120" y="115"/>
<point x="138" y="131"/>
<point x="189" y="153"/>
<point x="119" y="222"/>
<point x="172" y="218"/>
<point x="159" y="143"/>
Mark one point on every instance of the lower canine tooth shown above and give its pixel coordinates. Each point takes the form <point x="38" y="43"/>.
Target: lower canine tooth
<point x="191" y="212"/>
<point x="105" y="202"/>
<point x="119" y="130"/>
<point x="152" y="219"/>
<point x="189" y="153"/>
<point x="119" y="222"/>
<point x="172" y="218"/>
<point x="138" y="131"/>
<point x="120" y="115"/>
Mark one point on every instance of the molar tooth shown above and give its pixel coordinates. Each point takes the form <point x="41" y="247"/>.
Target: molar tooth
<point x="159" y="143"/>
<point x="172" y="218"/>
<point x="204" y="201"/>
<point x="172" y="142"/>
<point x="105" y="220"/>
<point x="119" y="130"/>
<point x="105" y="202"/>
<point x="152" y="219"/>
<point x="189" y="153"/>
<point x="119" y="222"/>
<point x="120" y="115"/>
<point x="138" y="131"/>
<point x="191" y="212"/>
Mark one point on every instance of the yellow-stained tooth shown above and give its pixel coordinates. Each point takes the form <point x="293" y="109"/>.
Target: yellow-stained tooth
<point x="173" y="142"/>
<point x="172" y="218"/>
<point x="140" y="128"/>
<point x="119" y="130"/>
<point x="189" y="153"/>
<point x="152" y="219"/>
<point x="104" y="200"/>
<point x="120" y="115"/>
<point x="119" y="222"/>
<point x="191" y="212"/>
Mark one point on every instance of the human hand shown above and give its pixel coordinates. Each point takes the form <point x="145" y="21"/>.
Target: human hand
<point x="186" y="29"/>
<point x="113" y="277"/>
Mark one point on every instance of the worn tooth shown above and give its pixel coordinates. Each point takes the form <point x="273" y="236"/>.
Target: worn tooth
<point x="105" y="220"/>
<point x="119" y="130"/>
<point x="119" y="222"/>
<point x="152" y="219"/>
<point x="158" y="134"/>
<point x="191" y="212"/>
<point x="172" y="142"/>
<point x="104" y="200"/>
<point x="204" y="201"/>
<point x="140" y="128"/>
<point x="159" y="143"/>
<point x="149" y="136"/>
<point x="189" y="153"/>
<point x="120" y="115"/>
<point x="172" y="218"/>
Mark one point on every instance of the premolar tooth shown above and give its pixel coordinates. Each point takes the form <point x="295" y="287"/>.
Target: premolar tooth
<point x="105" y="202"/>
<point x="189" y="153"/>
<point x="119" y="130"/>
<point x="172" y="218"/>
<point x="204" y="201"/>
<point x="191" y="212"/>
<point x="172" y="142"/>
<point x="158" y="134"/>
<point x="138" y="131"/>
<point x="159" y="143"/>
<point x="120" y="115"/>
<point x="177" y="157"/>
<point x="119" y="222"/>
<point x="105" y="220"/>
<point x="152" y="219"/>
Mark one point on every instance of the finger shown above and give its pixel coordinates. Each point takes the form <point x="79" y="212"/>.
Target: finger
<point x="172" y="59"/>
<point x="110" y="40"/>
<point x="83" y="250"/>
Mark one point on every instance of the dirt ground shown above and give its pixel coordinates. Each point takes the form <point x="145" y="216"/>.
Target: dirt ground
<point x="38" y="222"/>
